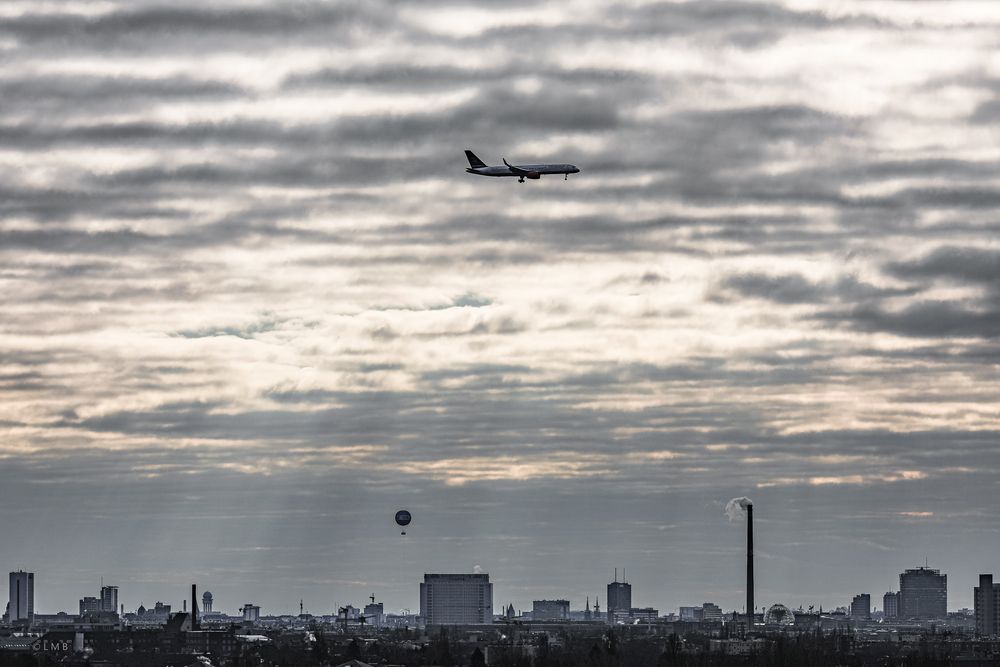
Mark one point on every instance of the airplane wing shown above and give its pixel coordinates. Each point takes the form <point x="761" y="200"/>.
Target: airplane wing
<point x="516" y="170"/>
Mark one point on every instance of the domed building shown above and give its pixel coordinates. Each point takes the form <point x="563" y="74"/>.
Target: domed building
<point x="778" y="615"/>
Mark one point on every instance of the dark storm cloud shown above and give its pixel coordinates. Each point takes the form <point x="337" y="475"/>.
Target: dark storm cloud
<point x="797" y="289"/>
<point x="748" y="25"/>
<point x="923" y="319"/>
<point x="176" y="28"/>
<point x="955" y="264"/>
<point x="65" y="94"/>
<point x="560" y="107"/>
<point x="412" y="76"/>
<point x="693" y="16"/>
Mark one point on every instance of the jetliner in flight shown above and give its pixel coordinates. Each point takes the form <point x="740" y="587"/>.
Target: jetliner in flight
<point x="522" y="171"/>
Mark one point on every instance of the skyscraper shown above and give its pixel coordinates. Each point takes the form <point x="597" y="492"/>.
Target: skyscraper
<point x="861" y="607"/>
<point x="456" y="599"/>
<point x="923" y="594"/>
<point x="109" y="599"/>
<point x="987" y="596"/>
<point x="22" y="597"/>
<point x="890" y="605"/>
<point x="619" y="597"/>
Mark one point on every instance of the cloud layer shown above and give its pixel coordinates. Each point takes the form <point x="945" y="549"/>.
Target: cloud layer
<point x="251" y="303"/>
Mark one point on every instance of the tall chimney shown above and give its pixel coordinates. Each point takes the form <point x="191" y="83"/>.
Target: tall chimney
<point x="750" y="607"/>
<point x="194" y="607"/>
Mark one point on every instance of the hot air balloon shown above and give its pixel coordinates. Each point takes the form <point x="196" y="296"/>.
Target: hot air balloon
<point x="403" y="519"/>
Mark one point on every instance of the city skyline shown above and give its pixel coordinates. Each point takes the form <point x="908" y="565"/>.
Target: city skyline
<point x="251" y="305"/>
<point x="619" y="584"/>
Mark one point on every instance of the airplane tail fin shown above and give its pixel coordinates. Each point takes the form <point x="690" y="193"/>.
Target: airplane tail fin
<point x="474" y="161"/>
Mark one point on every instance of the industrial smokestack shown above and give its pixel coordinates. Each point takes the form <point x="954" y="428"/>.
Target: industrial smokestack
<point x="737" y="508"/>
<point x="194" y="606"/>
<point x="750" y="607"/>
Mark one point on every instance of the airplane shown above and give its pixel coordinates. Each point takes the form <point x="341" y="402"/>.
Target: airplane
<point x="530" y="171"/>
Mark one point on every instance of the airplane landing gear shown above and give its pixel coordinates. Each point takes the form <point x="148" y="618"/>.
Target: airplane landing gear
<point x="521" y="180"/>
<point x="566" y="177"/>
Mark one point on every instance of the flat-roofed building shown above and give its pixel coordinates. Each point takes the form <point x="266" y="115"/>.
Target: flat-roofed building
<point x="861" y="607"/>
<point x="89" y="605"/>
<point x="456" y="599"/>
<point x="549" y="610"/>
<point x="987" y="596"/>
<point x="890" y="605"/>
<point x="923" y="594"/>
<point x="109" y="599"/>
<point x="21" y="607"/>
<point x="711" y="612"/>
<point x="619" y="598"/>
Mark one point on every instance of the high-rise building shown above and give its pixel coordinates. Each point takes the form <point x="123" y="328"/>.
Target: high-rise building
<point x="549" y="610"/>
<point x="890" y="605"/>
<point x="619" y="598"/>
<point x="206" y="603"/>
<point x="923" y="593"/>
<point x="89" y="605"/>
<point x="987" y="596"/>
<point x="21" y="607"/>
<point x="456" y="599"/>
<point x="711" y="612"/>
<point x="861" y="607"/>
<point x="109" y="599"/>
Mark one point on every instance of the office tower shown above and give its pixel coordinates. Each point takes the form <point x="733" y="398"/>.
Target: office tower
<point x="890" y="605"/>
<point x="861" y="607"/>
<point x="549" y="610"/>
<point x="89" y="605"/>
<point x="711" y="612"/>
<point x="691" y="614"/>
<point x="456" y="599"/>
<point x="22" y="597"/>
<point x="109" y="599"/>
<point x="987" y="596"/>
<point x="206" y="602"/>
<point x="923" y="594"/>
<point x="619" y="597"/>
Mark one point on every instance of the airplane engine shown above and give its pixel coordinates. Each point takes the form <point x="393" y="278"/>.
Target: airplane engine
<point x="533" y="175"/>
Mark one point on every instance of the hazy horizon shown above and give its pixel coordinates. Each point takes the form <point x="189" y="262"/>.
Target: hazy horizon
<point x="251" y="305"/>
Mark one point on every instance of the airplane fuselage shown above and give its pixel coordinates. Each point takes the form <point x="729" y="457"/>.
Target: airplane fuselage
<point x="521" y="171"/>
<point x="540" y="169"/>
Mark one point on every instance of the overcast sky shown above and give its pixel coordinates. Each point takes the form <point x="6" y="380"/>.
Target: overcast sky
<point x="251" y="304"/>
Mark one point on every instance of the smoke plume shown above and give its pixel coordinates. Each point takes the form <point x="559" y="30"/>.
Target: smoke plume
<point x="736" y="508"/>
